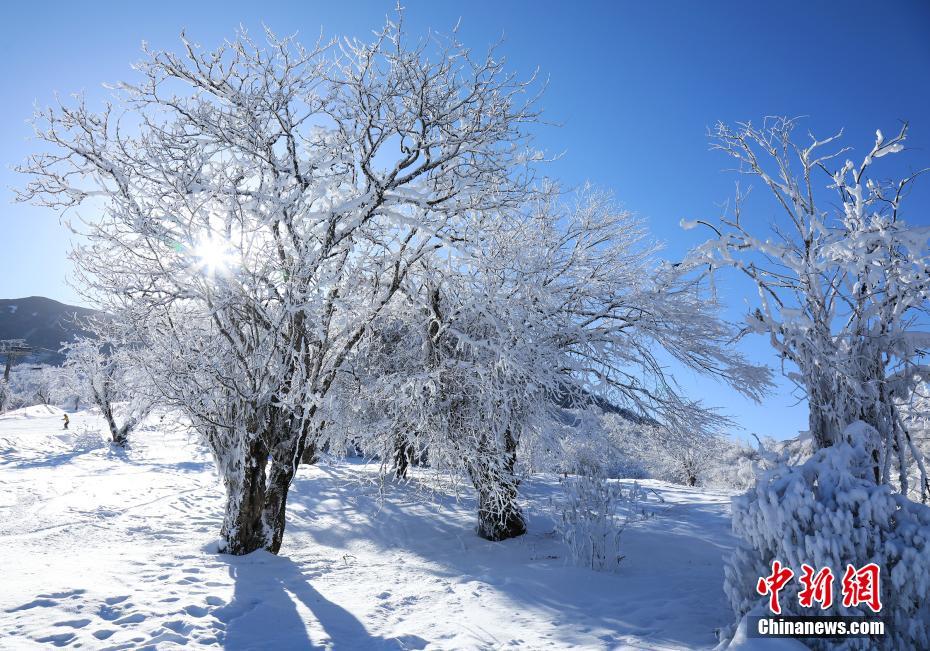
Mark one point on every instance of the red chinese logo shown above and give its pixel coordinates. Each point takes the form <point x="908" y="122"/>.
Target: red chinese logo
<point x="771" y="585"/>
<point x="861" y="587"/>
<point x="816" y="587"/>
<point x="858" y="586"/>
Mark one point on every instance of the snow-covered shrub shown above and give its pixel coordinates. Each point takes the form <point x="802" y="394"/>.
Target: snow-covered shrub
<point x="598" y="455"/>
<point x="736" y="463"/>
<point x="87" y="439"/>
<point x="577" y="443"/>
<point x="830" y="512"/>
<point x="589" y="522"/>
<point x="735" y="467"/>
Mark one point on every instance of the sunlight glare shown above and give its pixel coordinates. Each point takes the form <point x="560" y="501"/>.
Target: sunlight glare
<point x="214" y="254"/>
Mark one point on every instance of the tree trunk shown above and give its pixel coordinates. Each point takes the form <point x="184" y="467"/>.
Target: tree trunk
<point x="275" y="507"/>
<point x="499" y="515"/>
<point x="244" y="527"/>
<point x="822" y="408"/>
<point x="403" y="455"/>
<point x="311" y="453"/>
<point x="256" y="510"/>
<point x="117" y="436"/>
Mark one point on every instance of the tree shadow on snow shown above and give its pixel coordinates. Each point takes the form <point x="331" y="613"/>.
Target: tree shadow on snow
<point x="530" y="571"/>
<point x="264" y="613"/>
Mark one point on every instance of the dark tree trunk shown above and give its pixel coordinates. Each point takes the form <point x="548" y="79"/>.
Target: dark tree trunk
<point x="275" y="506"/>
<point x="820" y="423"/>
<point x="403" y="456"/>
<point x="500" y="519"/>
<point x="499" y="515"/>
<point x="243" y="527"/>
<point x="310" y="455"/>
<point x="119" y="436"/>
<point x="256" y="511"/>
<point x="311" y="436"/>
<point x="829" y="414"/>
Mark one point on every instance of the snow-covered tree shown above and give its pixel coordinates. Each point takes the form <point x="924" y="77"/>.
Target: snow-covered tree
<point x="261" y="205"/>
<point x="680" y="456"/>
<point x="43" y="384"/>
<point x="107" y="377"/>
<point x="31" y="384"/>
<point x="842" y="284"/>
<point x="563" y="305"/>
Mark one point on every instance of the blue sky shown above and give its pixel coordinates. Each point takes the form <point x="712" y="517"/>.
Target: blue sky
<point x="634" y="86"/>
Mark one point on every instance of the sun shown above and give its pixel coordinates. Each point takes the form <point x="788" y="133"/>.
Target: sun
<point x="214" y="255"/>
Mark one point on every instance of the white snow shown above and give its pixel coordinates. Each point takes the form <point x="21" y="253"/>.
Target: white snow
<point x="106" y="549"/>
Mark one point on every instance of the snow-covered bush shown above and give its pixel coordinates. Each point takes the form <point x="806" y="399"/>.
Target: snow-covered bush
<point x="589" y="523"/>
<point x="87" y="439"/>
<point x="588" y="448"/>
<point x="830" y="512"/>
<point x="735" y="467"/>
<point x="735" y="463"/>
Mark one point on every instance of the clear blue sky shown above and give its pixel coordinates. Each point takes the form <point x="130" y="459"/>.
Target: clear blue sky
<point x="633" y="84"/>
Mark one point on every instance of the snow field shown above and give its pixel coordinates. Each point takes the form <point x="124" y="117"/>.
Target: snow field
<point x="113" y="550"/>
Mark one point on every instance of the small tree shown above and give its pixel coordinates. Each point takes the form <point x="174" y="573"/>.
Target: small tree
<point x="104" y="375"/>
<point x="840" y="288"/>
<point x="43" y="385"/>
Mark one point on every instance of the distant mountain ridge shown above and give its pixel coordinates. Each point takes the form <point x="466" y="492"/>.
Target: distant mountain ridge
<point x="44" y="323"/>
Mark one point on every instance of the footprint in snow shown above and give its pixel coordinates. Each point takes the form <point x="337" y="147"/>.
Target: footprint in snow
<point x="195" y="611"/>
<point x="74" y="623"/>
<point x="135" y="618"/>
<point x="35" y="603"/>
<point x="62" y="595"/>
<point x="59" y="639"/>
<point x="112" y="612"/>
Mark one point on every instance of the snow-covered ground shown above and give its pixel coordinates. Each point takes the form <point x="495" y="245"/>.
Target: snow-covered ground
<point x="104" y="549"/>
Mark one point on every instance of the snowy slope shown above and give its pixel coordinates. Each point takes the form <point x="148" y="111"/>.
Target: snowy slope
<point x="100" y="549"/>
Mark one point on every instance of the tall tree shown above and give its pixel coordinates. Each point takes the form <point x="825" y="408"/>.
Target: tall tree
<point x="842" y="285"/>
<point x="261" y="205"/>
